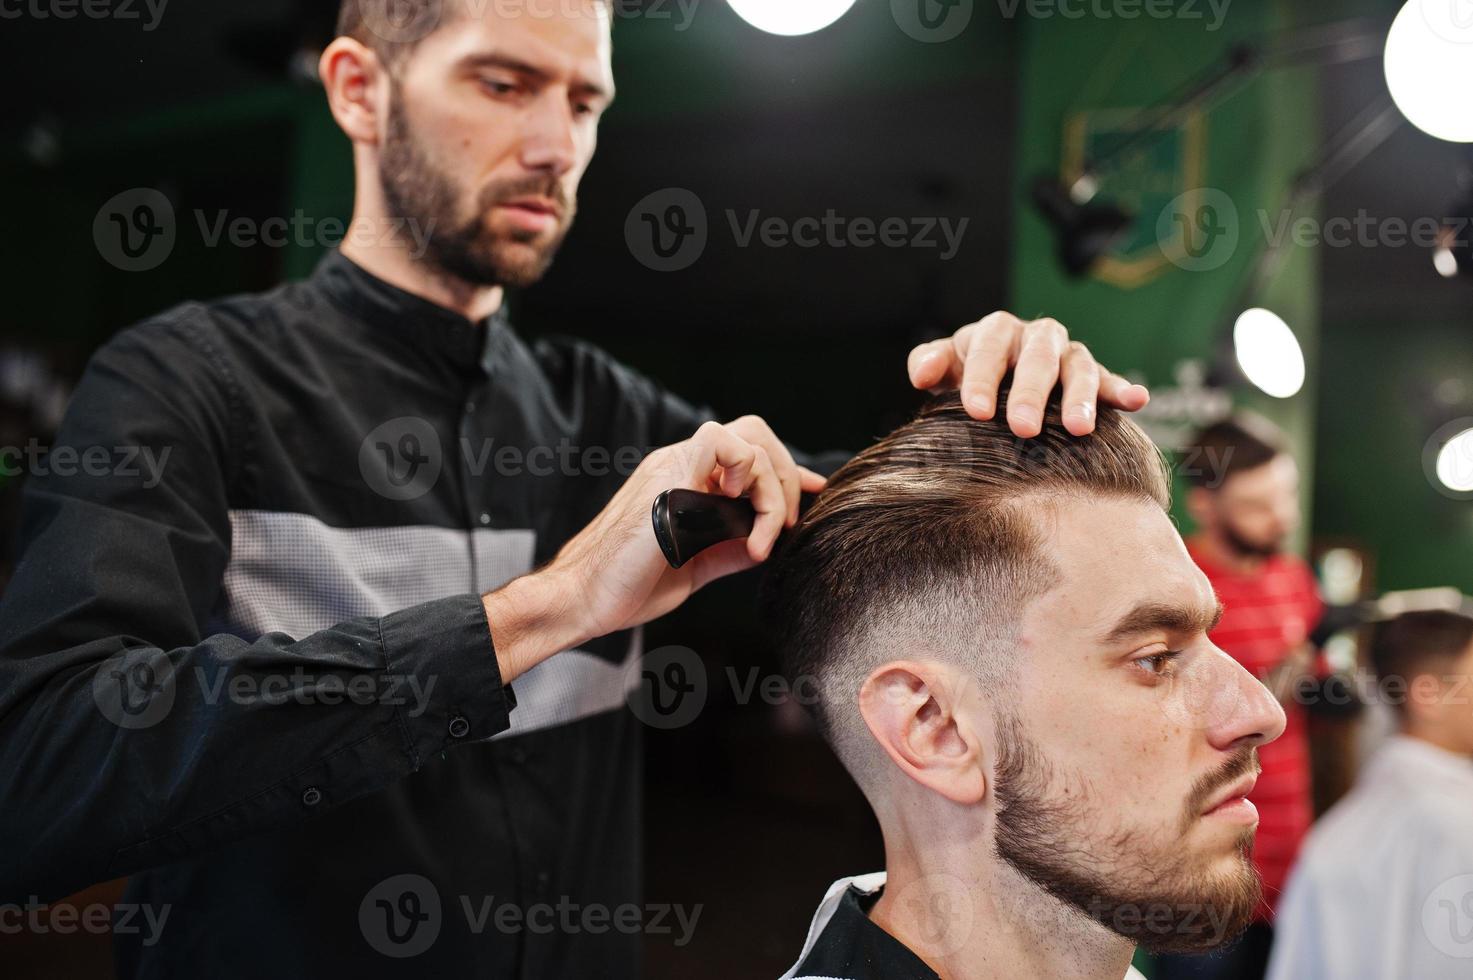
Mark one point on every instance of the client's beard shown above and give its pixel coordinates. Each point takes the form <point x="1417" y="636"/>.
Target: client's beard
<point x="415" y="189"/>
<point x="1122" y="881"/>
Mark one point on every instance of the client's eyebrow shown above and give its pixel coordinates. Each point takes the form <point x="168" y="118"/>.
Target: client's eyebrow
<point x="1150" y="617"/>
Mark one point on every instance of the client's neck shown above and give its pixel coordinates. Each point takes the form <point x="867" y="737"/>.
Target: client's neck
<point x="1448" y="741"/>
<point x="971" y="916"/>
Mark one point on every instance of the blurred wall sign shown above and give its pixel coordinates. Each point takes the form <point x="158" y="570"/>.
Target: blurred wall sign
<point x="1178" y="410"/>
<point x="1161" y="177"/>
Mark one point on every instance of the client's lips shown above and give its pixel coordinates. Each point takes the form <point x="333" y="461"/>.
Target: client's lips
<point x="1234" y="796"/>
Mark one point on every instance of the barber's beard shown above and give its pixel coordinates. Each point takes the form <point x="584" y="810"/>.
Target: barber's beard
<point x="457" y="245"/>
<point x="1131" y="882"/>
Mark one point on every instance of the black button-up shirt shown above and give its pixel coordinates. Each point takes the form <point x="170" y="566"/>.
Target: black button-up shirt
<point x="304" y="493"/>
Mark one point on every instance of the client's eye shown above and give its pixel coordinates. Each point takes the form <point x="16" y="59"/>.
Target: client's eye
<point x="1161" y="664"/>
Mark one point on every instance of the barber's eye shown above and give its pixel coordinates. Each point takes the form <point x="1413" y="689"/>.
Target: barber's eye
<point x="498" y="87"/>
<point x="1161" y="664"/>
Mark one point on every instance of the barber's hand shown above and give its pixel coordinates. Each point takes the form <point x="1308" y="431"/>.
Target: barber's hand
<point x="612" y="575"/>
<point x="1039" y="353"/>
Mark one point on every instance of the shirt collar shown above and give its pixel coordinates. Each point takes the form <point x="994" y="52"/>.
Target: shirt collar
<point x="1434" y="765"/>
<point x="844" y="943"/>
<point x="413" y="319"/>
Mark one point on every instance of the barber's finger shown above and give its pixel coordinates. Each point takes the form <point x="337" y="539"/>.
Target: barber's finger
<point x="714" y="446"/>
<point x="934" y="364"/>
<point x="755" y="430"/>
<point x="718" y="561"/>
<point x="765" y="491"/>
<point x="1122" y="393"/>
<point x="1081" y="375"/>
<point x="988" y="356"/>
<point x="1040" y="349"/>
<point x="812" y="482"/>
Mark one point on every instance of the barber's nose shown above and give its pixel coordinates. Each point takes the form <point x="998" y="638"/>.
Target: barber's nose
<point x="548" y="144"/>
<point x="1251" y="716"/>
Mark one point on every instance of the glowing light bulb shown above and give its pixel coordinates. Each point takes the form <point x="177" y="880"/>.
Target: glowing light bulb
<point x="790" y="17"/>
<point x="1429" y="67"/>
<point x="1268" y="352"/>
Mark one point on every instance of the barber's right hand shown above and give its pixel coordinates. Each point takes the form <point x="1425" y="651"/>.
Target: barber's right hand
<point x="612" y="574"/>
<point x="616" y="564"/>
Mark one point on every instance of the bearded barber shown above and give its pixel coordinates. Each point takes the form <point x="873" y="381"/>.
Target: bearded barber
<point x="449" y="740"/>
<point x="1244" y="500"/>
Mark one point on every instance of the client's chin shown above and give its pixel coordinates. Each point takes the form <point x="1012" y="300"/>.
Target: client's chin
<point x="1195" y="922"/>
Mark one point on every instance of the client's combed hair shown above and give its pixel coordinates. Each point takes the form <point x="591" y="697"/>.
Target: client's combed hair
<point x="928" y="543"/>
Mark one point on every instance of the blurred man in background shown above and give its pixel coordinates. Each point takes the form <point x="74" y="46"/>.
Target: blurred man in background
<point x="1384" y="888"/>
<point x="1010" y="646"/>
<point x="1244" y="499"/>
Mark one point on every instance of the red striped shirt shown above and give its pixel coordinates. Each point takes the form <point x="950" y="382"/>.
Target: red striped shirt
<point x="1268" y="613"/>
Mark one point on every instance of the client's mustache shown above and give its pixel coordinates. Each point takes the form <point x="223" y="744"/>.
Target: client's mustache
<point x="1229" y="772"/>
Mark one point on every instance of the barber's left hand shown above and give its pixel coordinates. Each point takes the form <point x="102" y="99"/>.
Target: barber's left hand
<point x="1040" y="354"/>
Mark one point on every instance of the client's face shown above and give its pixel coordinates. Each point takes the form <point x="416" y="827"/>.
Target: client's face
<point x="1124" y="756"/>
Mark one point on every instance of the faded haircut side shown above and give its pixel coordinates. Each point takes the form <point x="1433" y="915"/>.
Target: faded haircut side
<point x="928" y="544"/>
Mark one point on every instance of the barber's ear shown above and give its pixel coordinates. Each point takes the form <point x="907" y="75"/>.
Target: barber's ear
<point x="356" y="85"/>
<point x="919" y="713"/>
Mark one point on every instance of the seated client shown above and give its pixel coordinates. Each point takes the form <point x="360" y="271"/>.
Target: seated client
<point x="1009" y="644"/>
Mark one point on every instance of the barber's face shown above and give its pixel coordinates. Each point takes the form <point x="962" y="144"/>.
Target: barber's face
<point x="1258" y="509"/>
<point x="492" y="123"/>
<point x="1124" y="757"/>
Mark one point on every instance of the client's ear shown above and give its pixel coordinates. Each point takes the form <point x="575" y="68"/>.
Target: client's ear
<point x="920" y="714"/>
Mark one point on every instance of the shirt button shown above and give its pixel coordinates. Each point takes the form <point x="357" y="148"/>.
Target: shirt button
<point x="459" y="727"/>
<point x="519" y="756"/>
<point x="470" y="408"/>
<point x="485" y="518"/>
<point x="312" y="796"/>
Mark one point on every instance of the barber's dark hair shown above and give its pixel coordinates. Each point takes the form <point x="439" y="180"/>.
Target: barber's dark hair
<point x="1417" y="643"/>
<point x="1244" y="441"/>
<point x="394" y="28"/>
<point x="929" y="538"/>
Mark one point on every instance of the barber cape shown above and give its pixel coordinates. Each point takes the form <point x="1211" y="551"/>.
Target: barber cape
<point x="843" y="944"/>
<point x="1384" y="887"/>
